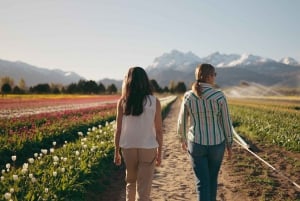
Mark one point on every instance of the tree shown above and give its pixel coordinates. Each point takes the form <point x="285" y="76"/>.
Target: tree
<point x="166" y="89"/>
<point x="41" y="89"/>
<point x="17" y="90"/>
<point x="111" y="89"/>
<point x="101" y="88"/>
<point x="180" y="87"/>
<point x="90" y="87"/>
<point x="155" y="86"/>
<point x="6" y="88"/>
<point x="80" y="86"/>
<point x="72" y="88"/>
<point x="55" y="90"/>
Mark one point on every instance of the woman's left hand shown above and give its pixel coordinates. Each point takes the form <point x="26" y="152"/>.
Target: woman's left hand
<point x="158" y="159"/>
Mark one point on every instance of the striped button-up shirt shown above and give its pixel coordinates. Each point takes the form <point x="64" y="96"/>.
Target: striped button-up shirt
<point x="205" y="120"/>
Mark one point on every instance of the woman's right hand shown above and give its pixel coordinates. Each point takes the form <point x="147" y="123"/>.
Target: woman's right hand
<point x="117" y="158"/>
<point x="184" y="146"/>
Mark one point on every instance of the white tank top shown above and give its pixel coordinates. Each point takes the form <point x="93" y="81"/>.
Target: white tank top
<point x="139" y="131"/>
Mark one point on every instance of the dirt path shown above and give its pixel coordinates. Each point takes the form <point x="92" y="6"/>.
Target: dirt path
<point x="174" y="179"/>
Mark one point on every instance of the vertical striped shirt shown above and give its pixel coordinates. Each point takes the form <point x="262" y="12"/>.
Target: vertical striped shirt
<point x="205" y="120"/>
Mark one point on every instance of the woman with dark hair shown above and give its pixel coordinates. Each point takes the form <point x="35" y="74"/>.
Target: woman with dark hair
<point x="138" y="134"/>
<point x="205" y="130"/>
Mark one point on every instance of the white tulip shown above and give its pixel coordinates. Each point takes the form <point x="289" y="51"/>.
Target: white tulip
<point x="31" y="160"/>
<point x="24" y="171"/>
<point x="14" y="158"/>
<point x="54" y="174"/>
<point x="15" y="177"/>
<point x="7" y="196"/>
<point x="33" y="179"/>
<point x="55" y="158"/>
<point x="25" y="166"/>
<point x="7" y="165"/>
<point x="44" y="151"/>
<point x="54" y="143"/>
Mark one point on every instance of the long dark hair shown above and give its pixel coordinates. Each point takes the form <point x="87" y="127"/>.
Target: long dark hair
<point x="136" y="88"/>
<point x="202" y="72"/>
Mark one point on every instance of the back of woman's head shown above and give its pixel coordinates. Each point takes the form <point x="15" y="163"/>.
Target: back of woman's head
<point x="137" y="87"/>
<point x="202" y="73"/>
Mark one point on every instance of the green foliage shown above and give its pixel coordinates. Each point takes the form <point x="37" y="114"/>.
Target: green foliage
<point x="268" y="123"/>
<point x="55" y="167"/>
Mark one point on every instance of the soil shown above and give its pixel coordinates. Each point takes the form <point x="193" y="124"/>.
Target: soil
<point x="244" y="177"/>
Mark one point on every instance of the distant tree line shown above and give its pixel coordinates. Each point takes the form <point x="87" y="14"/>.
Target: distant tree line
<point x="81" y="87"/>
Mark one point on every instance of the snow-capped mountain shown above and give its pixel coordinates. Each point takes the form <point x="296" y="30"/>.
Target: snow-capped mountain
<point x="220" y="60"/>
<point x="176" y="60"/>
<point x="234" y="68"/>
<point x="289" y="61"/>
<point x="244" y="59"/>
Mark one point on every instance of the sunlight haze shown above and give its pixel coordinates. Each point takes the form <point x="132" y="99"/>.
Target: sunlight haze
<point x="101" y="39"/>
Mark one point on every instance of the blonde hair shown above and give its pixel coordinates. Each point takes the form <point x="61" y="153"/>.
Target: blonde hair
<point x="202" y="72"/>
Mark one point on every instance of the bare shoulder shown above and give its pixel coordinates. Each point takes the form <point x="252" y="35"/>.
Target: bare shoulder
<point x="158" y="105"/>
<point x="120" y="102"/>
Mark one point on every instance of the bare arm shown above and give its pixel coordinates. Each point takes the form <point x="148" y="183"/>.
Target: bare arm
<point x="158" y="128"/>
<point x="117" y="157"/>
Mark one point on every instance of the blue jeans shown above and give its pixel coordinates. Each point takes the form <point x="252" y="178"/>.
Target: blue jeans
<point x="206" y="162"/>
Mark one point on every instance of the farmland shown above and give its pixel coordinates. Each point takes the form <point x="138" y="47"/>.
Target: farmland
<point x="54" y="147"/>
<point x="270" y="126"/>
<point x="273" y="120"/>
<point x="244" y="177"/>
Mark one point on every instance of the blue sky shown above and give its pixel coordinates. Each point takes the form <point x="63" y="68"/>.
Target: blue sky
<point x="103" y="38"/>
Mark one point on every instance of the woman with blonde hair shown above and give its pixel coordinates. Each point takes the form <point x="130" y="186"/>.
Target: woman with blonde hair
<point x="205" y="130"/>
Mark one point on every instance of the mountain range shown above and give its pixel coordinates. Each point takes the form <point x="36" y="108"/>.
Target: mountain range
<point x="232" y="69"/>
<point x="36" y="75"/>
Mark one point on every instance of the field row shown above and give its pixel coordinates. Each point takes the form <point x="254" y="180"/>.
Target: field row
<point x="268" y="120"/>
<point x="63" y="153"/>
<point x="29" y="105"/>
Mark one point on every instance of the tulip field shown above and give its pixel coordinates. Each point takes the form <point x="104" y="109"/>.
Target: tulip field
<point x="53" y="147"/>
<point x="272" y="120"/>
